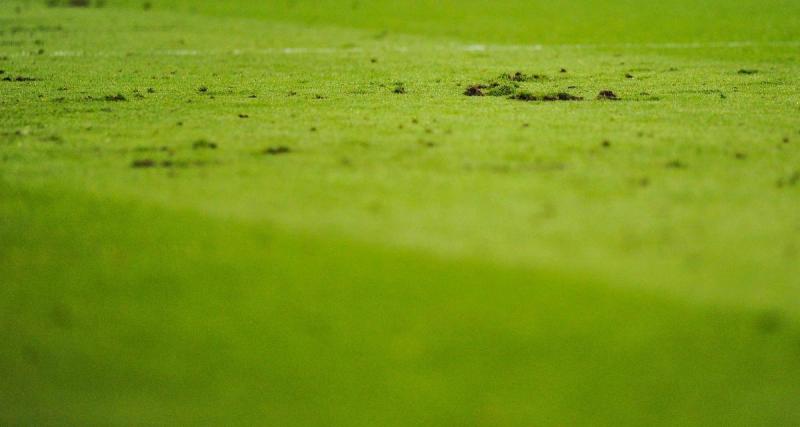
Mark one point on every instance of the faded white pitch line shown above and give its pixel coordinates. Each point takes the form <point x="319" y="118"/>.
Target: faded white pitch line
<point x="415" y="49"/>
<point x="669" y="45"/>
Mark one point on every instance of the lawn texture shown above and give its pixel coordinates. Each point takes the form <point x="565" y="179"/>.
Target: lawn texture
<point x="291" y="213"/>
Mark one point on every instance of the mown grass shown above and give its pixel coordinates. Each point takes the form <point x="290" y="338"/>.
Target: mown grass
<point x="213" y="219"/>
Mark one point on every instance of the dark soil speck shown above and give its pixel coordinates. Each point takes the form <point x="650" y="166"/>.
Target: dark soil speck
<point x="143" y="163"/>
<point x="561" y="96"/>
<point x="115" y="98"/>
<point x="19" y="79"/>
<point x="607" y="95"/>
<point x="274" y="151"/>
<point x="474" y="90"/>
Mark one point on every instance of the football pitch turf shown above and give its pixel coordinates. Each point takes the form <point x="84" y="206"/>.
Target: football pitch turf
<point x="406" y="213"/>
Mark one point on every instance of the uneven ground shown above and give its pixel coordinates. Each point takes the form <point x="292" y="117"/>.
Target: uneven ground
<point x="291" y="214"/>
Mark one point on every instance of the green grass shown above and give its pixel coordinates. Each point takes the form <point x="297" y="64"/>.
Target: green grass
<point x="522" y="21"/>
<point x="335" y="253"/>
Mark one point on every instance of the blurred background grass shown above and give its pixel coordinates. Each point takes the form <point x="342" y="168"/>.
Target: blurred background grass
<point x="522" y="21"/>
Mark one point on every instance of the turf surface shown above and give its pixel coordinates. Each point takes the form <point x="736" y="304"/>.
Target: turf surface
<point x="291" y="214"/>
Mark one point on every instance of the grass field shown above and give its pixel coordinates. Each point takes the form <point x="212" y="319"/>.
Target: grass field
<point x="291" y="213"/>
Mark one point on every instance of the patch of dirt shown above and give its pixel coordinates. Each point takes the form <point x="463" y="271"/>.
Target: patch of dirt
<point x="20" y="79"/>
<point x="505" y="84"/>
<point x="275" y="151"/>
<point x="513" y="87"/>
<point x="115" y="98"/>
<point x="607" y="95"/>
<point x="168" y="164"/>
<point x="474" y="90"/>
<point x="561" y="96"/>
<point x="75" y="3"/>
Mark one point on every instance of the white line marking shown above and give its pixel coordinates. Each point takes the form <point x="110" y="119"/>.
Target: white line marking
<point x="416" y="49"/>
